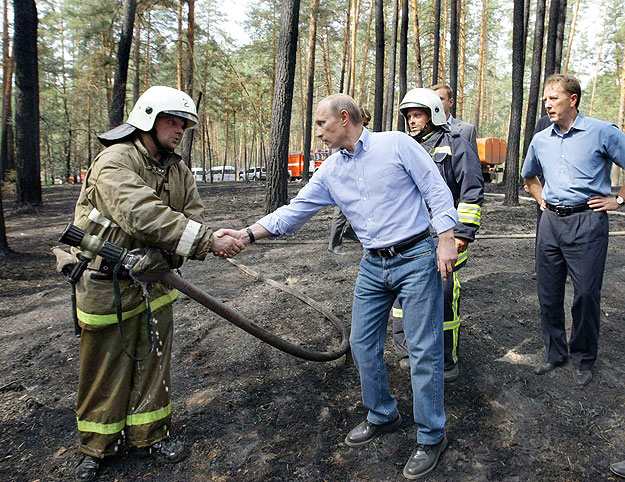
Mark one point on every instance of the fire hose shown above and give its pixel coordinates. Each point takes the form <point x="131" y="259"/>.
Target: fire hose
<point x="93" y="245"/>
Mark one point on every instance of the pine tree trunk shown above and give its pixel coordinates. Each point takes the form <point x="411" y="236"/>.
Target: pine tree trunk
<point x="351" y="81"/>
<point x="516" y="109"/>
<point x="565" y="69"/>
<point x="28" y="184"/>
<point x="187" y="139"/>
<point x="390" y="86"/>
<point x="325" y="47"/>
<point x="345" y="45"/>
<point x="594" y="83"/>
<point x="462" y="60"/>
<point x="179" y="55"/>
<point x="7" y="143"/>
<point x="453" y="50"/>
<point x="312" y="43"/>
<point x="537" y="56"/>
<point x="442" y="63"/>
<point x="403" y="61"/>
<point x="437" y="40"/>
<point x="116" y="114"/>
<point x="276" y="190"/>
<point x="379" y="66"/>
<point x="136" y="56"/>
<point x="480" y="71"/>
<point x="560" y="34"/>
<point x="417" y="44"/>
<point x="363" y="73"/>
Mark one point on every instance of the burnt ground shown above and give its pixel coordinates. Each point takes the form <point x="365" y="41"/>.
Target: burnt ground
<point x="250" y="412"/>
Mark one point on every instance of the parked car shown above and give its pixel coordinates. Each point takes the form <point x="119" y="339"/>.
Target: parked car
<point x="256" y="174"/>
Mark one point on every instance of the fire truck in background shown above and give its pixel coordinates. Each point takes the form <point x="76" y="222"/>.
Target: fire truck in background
<point x="296" y="162"/>
<point x="492" y="154"/>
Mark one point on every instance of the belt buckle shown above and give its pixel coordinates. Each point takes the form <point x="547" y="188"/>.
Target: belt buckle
<point x="386" y="252"/>
<point x="563" y="210"/>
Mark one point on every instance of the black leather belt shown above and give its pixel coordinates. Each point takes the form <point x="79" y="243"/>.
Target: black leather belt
<point x="567" y="210"/>
<point x="401" y="246"/>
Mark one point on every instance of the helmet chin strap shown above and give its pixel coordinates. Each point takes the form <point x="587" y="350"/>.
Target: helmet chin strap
<point x="159" y="147"/>
<point x="419" y="135"/>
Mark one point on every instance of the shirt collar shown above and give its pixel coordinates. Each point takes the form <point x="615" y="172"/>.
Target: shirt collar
<point x="450" y="119"/>
<point x="363" y="141"/>
<point x="579" y="124"/>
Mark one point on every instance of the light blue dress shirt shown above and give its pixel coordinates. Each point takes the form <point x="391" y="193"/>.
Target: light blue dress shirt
<point x="382" y="189"/>
<point x="576" y="165"/>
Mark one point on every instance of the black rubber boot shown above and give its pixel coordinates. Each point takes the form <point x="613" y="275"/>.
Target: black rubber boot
<point x="166" y="450"/>
<point x="87" y="468"/>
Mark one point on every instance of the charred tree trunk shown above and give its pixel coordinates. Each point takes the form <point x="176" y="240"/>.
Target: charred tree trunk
<point x="550" y="49"/>
<point x="345" y="45"/>
<point x="390" y="86"/>
<point x="28" y="185"/>
<point x="116" y="114"/>
<point x="516" y="110"/>
<point x="403" y="61"/>
<point x="459" y="104"/>
<point x="437" y="40"/>
<point x="7" y="144"/>
<point x="537" y="57"/>
<point x="560" y="35"/>
<point x="379" y="66"/>
<point x="187" y="139"/>
<point x="312" y="42"/>
<point x="276" y="191"/>
<point x="453" y="50"/>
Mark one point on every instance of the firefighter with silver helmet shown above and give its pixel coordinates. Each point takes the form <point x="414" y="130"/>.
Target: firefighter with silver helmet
<point x="460" y="167"/>
<point x="137" y="194"/>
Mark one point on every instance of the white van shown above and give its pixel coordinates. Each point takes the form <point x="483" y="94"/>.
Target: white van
<point x="222" y="173"/>
<point x="198" y="172"/>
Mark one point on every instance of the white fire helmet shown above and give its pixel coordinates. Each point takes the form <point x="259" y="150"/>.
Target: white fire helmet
<point x="154" y="101"/>
<point x="426" y="99"/>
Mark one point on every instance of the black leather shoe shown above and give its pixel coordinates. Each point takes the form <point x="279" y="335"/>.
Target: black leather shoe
<point x="367" y="431"/>
<point x="87" y="468"/>
<point x="451" y="374"/>
<point x="546" y="367"/>
<point x="424" y="459"/>
<point x="618" y="468"/>
<point x="165" y="451"/>
<point x="583" y="377"/>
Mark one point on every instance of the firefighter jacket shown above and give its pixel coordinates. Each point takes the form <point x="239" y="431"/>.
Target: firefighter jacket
<point x="460" y="167"/>
<point x="132" y="200"/>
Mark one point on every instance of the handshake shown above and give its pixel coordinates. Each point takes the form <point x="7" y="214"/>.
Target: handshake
<point x="227" y="243"/>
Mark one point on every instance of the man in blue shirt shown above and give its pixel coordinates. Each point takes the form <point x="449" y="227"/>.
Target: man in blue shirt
<point x="382" y="182"/>
<point x="575" y="156"/>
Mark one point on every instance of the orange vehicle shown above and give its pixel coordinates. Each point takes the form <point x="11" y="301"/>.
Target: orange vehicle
<point x="492" y="154"/>
<point x="296" y="162"/>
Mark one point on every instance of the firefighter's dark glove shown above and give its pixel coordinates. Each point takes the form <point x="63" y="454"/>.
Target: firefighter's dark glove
<point x="151" y="266"/>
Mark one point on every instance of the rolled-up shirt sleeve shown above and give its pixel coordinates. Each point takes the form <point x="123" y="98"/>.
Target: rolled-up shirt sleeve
<point x="531" y="166"/>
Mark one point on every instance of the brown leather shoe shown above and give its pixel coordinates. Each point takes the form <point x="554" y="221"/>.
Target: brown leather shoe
<point x="367" y="431"/>
<point x="87" y="468"/>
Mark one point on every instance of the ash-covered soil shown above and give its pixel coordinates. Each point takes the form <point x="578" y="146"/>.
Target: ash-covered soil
<point x="251" y="413"/>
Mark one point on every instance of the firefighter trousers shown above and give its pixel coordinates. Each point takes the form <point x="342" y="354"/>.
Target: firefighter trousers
<point x="451" y="314"/>
<point x="118" y="396"/>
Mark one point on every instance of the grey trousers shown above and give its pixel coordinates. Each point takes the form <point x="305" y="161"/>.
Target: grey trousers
<point x="576" y="244"/>
<point x="337" y="229"/>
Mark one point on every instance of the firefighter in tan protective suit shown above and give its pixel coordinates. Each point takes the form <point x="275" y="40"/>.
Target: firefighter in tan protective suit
<point x="137" y="194"/>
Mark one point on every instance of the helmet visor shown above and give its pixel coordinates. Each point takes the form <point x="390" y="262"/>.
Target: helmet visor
<point x="191" y="119"/>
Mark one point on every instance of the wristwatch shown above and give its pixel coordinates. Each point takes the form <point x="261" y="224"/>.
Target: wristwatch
<point x="620" y="201"/>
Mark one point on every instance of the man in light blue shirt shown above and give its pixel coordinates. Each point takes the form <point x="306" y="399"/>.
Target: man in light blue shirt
<point x="382" y="182"/>
<point x="575" y="156"/>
